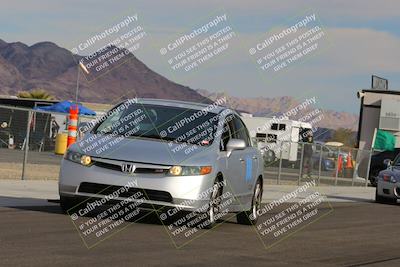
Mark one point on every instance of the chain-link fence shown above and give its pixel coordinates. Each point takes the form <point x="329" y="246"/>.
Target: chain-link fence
<point x="296" y="163"/>
<point x="28" y="142"/>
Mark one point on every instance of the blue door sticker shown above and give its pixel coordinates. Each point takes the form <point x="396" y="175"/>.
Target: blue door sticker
<point x="249" y="168"/>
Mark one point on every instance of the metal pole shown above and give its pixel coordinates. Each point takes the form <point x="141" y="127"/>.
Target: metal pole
<point x="320" y="163"/>
<point x="77" y="87"/>
<point x="337" y="167"/>
<point x="369" y="163"/>
<point x="280" y="164"/>
<point x="354" y="167"/>
<point x="301" y="163"/>
<point x="28" y="132"/>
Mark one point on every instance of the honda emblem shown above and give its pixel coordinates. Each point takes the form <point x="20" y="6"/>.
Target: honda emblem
<point x="128" y="168"/>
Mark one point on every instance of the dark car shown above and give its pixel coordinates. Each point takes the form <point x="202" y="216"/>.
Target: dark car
<point x="377" y="164"/>
<point x="388" y="183"/>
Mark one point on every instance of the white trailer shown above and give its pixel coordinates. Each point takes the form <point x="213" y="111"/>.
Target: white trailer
<point x="277" y="138"/>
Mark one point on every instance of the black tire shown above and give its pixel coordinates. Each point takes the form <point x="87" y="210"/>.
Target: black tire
<point x="373" y="175"/>
<point x="67" y="204"/>
<point x="250" y="217"/>
<point x="269" y="157"/>
<point x="384" y="200"/>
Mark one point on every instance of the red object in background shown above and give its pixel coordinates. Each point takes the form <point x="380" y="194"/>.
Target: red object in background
<point x="340" y="164"/>
<point x="72" y="124"/>
<point x="349" y="161"/>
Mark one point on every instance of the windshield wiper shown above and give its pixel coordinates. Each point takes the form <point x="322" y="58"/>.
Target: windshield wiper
<point x="152" y="136"/>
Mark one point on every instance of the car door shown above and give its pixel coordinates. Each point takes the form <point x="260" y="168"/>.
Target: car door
<point x="242" y="164"/>
<point x="232" y="164"/>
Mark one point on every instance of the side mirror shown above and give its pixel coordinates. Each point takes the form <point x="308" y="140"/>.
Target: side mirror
<point x="83" y="128"/>
<point x="387" y="162"/>
<point x="234" y="144"/>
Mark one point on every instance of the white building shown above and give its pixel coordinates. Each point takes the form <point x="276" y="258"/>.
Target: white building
<point x="379" y="109"/>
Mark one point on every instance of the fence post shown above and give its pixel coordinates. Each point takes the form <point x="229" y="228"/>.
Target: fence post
<point x="301" y="163"/>
<point x="368" y="167"/>
<point x="354" y="167"/>
<point x="337" y="167"/>
<point x="26" y="148"/>
<point x="280" y="164"/>
<point x="320" y="163"/>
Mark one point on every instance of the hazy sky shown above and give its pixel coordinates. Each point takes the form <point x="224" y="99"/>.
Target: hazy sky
<point x="363" y="35"/>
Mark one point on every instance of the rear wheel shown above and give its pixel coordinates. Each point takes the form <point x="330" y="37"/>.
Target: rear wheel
<point x="250" y="217"/>
<point x="269" y="157"/>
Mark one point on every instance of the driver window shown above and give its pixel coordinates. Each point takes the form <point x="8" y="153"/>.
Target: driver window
<point x="241" y="131"/>
<point x="226" y="132"/>
<point x="225" y="137"/>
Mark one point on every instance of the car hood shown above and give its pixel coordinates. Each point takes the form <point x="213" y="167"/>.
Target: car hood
<point x="143" y="150"/>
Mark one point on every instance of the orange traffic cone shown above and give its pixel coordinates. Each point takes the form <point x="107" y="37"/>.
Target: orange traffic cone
<point x="349" y="161"/>
<point x="340" y="164"/>
<point x="348" y="171"/>
<point x="73" y="124"/>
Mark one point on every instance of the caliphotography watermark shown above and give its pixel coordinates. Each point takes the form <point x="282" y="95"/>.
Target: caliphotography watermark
<point x="110" y="47"/>
<point x="291" y="213"/>
<point x="281" y="48"/>
<point x="97" y="219"/>
<point x="200" y="45"/>
<point x="276" y="134"/>
<point x="194" y="131"/>
<point x="108" y="131"/>
<point x="194" y="217"/>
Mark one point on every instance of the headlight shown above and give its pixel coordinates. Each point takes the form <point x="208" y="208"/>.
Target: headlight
<point x="78" y="158"/>
<point x="189" y="170"/>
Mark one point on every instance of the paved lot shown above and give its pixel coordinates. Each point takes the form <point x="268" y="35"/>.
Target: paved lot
<point x="354" y="234"/>
<point x="357" y="232"/>
<point x="33" y="189"/>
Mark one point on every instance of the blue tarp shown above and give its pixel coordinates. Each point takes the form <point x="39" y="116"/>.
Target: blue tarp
<point x="64" y="106"/>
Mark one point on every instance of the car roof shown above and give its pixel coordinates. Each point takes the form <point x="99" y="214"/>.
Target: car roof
<point x="212" y="107"/>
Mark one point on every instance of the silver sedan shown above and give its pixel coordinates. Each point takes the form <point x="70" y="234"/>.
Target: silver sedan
<point x="180" y="155"/>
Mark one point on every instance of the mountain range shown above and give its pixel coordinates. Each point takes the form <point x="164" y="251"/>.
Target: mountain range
<point x="47" y="66"/>
<point x="277" y="106"/>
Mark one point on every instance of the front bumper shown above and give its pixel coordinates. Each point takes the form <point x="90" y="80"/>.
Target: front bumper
<point x="187" y="192"/>
<point x="388" y="189"/>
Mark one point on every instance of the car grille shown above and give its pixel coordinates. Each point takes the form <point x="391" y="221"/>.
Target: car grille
<point x="105" y="189"/>
<point x="141" y="170"/>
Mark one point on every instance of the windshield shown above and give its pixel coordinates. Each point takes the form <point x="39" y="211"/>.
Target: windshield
<point x="160" y="122"/>
<point x="396" y="161"/>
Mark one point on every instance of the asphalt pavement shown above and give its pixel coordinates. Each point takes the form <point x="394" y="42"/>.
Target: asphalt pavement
<point x="352" y="234"/>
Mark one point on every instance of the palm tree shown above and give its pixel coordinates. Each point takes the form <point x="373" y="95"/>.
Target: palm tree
<point x="36" y="94"/>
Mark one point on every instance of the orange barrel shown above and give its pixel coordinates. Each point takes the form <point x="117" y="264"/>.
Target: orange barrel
<point x="72" y="124"/>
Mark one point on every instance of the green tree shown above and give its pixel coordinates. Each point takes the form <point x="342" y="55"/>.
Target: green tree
<point x="36" y="94"/>
<point x="345" y="136"/>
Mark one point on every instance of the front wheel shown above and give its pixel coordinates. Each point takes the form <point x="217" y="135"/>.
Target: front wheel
<point x="67" y="204"/>
<point x="250" y="217"/>
<point x="214" y="205"/>
<point x="384" y="200"/>
<point x="373" y="177"/>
